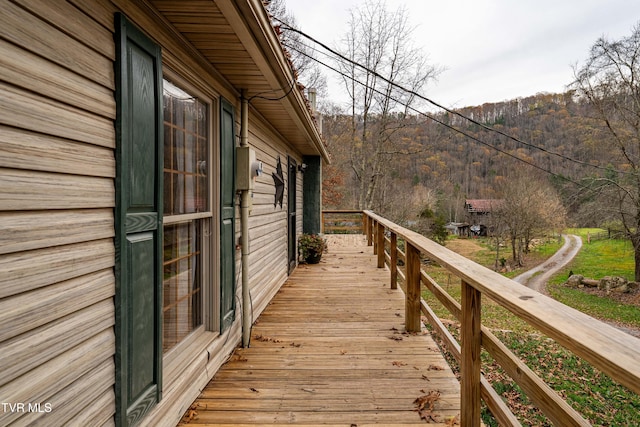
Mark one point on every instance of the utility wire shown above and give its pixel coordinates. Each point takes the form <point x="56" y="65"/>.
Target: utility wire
<point x="260" y="95"/>
<point x="286" y="26"/>
<point x="443" y="123"/>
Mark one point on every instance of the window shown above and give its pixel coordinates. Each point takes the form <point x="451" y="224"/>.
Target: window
<point x="187" y="213"/>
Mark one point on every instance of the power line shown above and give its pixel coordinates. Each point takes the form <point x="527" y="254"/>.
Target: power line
<point x="416" y="94"/>
<point x="443" y="123"/>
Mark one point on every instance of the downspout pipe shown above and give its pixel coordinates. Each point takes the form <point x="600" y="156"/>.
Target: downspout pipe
<point x="244" y="231"/>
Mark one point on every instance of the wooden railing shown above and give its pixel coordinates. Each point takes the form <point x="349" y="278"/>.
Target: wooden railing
<point x="342" y="221"/>
<point x="605" y="347"/>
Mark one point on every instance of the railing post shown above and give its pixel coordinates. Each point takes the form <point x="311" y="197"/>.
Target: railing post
<point x="393" y="252"/>
<point x="365" y="217"/>
<point x="380" y="244"/>
<point x="322" y="222"/>
<point x="412" y="294"/>
<point x="471" y="343"/>
<point x="369" y="231"/>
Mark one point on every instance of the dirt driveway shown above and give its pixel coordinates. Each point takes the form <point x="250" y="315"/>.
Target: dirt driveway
<point x="537" y="277"/>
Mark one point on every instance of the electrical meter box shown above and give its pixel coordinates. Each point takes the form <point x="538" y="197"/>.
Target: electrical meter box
<point x="247" y="168"/>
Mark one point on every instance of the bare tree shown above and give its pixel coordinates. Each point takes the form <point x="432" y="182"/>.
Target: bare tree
<point x="309" y="72"/>
<point x="530" y="208"/>
<point x="610" y="81"/>
<point x="380" y="41"/>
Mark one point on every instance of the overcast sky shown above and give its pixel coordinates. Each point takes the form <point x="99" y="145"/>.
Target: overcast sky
<point x="492" y="50"/>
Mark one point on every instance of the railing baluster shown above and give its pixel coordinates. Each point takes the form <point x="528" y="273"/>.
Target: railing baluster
<point x="471" y="342"/>
<point x="380" y="244"/>
<point x="412" y="294"/>
<point x="374" y="234"/>
<point x="393" y="249"/>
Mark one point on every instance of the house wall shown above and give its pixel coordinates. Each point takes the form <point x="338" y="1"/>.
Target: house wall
<point x="268" y="223"/>
<point x="57" y="170"/>
<point x="56" y="214"/>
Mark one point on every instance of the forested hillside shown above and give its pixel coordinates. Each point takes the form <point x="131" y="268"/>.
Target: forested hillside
<point x="431" y="166"/>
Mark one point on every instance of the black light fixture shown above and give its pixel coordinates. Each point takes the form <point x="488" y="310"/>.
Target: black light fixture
<point x="302" y="167"/>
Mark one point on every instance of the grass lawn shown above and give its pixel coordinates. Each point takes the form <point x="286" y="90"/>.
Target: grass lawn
<point x="593" y="394"/>
<point x="598" y="259"/>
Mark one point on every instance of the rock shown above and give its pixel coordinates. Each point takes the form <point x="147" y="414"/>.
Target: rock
<point x="604" y="283"/>
<point x="575" y="280"/>
<point x="623" y="289"/>
<point x="615" y="284"/>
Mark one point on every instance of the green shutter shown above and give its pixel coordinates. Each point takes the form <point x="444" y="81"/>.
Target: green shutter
<point x="292" y="174"/>
<point x="138" y="223"/>
<point x="312" y="195"/>
<point x="227" y="214"/>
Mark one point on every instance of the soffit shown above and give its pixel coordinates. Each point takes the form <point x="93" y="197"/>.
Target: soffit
<point x="236" y="38"/>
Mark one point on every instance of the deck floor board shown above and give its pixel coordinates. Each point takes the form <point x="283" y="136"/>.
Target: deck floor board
<point x="330" y="349"/>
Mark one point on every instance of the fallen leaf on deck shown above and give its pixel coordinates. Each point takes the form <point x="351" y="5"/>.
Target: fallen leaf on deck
<point x="190" y="415"/>
<point x="435" y="368"/>
<point x="453" y="421"/>
<point x="263" y="338"/>
<point x="398" y="363"/>
<point x="425" y="404"/>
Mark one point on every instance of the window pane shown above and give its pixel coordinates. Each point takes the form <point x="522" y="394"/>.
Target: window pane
<point x="186" y="191"/>
<point x="182" y="286"/>
<point x="186" y="122"/>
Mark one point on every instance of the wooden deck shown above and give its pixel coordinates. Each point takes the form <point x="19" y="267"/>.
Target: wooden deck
<point x="330" y="349"/>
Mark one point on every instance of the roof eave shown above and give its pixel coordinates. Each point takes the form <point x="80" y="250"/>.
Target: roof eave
<point x="262" y="43"/>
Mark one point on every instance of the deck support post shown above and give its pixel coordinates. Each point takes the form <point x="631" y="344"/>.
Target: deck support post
<point x="380" y="244"/>
<point x="393" y="252"/>
<point x="471" y="344"/>
<point x="412" y="294"/>
<point x="369" y="231"/>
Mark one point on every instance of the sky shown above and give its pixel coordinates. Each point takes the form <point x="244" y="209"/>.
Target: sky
<point x="491" y="50"/>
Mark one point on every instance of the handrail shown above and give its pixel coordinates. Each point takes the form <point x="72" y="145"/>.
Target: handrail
<point x="605" y="347"/>
<point x="342" y="221"/>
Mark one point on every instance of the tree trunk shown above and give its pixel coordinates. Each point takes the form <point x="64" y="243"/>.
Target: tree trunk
<point x="635" y="240"/>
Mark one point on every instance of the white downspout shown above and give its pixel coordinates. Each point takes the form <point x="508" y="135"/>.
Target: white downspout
<point x="244" y="224"/>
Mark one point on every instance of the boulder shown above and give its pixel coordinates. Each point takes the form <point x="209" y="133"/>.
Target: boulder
<point x="614" y="284"/>
<point x="575" y="280"/>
